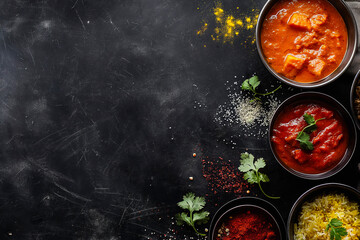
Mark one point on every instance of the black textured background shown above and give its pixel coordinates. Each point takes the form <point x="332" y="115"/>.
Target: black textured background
<point x="102" y="104"/>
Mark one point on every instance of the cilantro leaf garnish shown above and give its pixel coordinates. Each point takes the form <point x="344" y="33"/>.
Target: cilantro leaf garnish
<point x="193" y="205"/>
<point x="336" y="229"/>
<point x="251" y="84"/>
<point x="309" y="119"/>
<point x="304" y="140"/>
<point x="251" y="170"/>
<point x="303" y="136"/>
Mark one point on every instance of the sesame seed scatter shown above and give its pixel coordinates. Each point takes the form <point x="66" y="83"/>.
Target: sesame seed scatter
<point x="246" y="112"/>
<point x="251" y="117"/>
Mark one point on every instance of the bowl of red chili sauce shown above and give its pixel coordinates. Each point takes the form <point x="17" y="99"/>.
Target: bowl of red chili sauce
<point x="247" y="218"/>
<point x="306" y="43"/>
<point x="312" y="135"/>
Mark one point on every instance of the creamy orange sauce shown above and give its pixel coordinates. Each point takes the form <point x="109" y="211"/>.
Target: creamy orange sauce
<point x="304" y="40"/>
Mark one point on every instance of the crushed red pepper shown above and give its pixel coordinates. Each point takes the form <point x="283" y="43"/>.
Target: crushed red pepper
<point x="248" y="224"/>
<point x="223" y="176"/>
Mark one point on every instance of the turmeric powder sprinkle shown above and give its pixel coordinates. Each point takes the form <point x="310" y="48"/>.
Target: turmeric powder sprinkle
<point x="228" y="26"/>
<point x="202" y="29"/>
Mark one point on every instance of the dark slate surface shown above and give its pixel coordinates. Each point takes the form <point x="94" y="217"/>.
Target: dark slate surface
<point x="100" y="115"/>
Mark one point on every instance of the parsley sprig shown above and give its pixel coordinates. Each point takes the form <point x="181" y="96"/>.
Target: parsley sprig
<point x="251" y="84"/>
<point x="303" y="136"/>
<point x="251" y="170"/>
<point x="336" y="229"/>
<point x="193" y="205"/>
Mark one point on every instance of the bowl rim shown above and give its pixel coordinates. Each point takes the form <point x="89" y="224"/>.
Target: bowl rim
<point x="337" y="186"/>
<point x="342" y="163"/>
<point x="266" y="8"/>
<point x="352" y="98"/>
<point x="260" y="203"/>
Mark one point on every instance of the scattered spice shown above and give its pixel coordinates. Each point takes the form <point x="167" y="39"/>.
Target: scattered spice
<point x="249" y="224"/>
<point x="244" y="111"/>
<point x="228" y="24"/>
<point x="202" y="30"/>
<point x="222" y="176"/>
<point x="249" y="118"/>
<point x="247" y="111"/>
<point x="247" y="114"/>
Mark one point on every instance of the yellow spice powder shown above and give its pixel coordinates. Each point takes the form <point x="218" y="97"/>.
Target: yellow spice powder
<point x="202" y="30"/>
<point x="227" y="27"/>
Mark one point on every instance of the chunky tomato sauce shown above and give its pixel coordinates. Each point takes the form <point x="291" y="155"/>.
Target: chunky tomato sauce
<point x="304" y="40"/>
<point x="330" y="139"/>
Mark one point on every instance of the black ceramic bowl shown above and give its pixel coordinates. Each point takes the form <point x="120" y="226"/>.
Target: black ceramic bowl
<point x="350" y="22"/>
<point x="353" y="95"/>
<point x="248" y="203"/>
<point x="325" y="100"/>
<point x="311" y="194"/>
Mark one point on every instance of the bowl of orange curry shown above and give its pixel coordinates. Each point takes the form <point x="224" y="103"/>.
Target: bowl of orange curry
<point x="306" y="43"/>
<point x="312" y="135"/>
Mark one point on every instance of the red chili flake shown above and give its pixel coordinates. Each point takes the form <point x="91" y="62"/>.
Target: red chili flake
<point x="223" y="176"/>
<point x="249" y="225"/>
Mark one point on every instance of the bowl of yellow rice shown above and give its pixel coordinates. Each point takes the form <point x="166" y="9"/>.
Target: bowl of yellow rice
<point x="312" y="215"/>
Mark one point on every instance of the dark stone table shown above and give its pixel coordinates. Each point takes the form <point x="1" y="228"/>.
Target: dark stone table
<point x="102" y="105"/>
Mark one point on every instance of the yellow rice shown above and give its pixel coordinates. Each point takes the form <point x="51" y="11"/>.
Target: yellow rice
<point x="316" y="215"/>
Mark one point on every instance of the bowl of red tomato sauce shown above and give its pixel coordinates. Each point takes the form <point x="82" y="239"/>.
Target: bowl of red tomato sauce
<point x="306" y="43"/>
<point x="312" y="135"/>
<point x="247" y="218"/>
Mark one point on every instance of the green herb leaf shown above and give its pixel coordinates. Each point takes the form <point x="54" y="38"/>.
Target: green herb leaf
<point x="336" y="229"/>
<point x="201" y="217"/>
<point x="182" y="218"/>
<point x="310" y="128"/>
<point x="251" y="170"/>
<point x="254" y="82"/>
<point x="245" y="85"/>
<point x="263" y="177"/>
<point x="309" y="119"/>
<point x="246" y="162"/>
<point x="186" y="203"/>
<point x="251" y="177"/>
<point x="251" y="84"/>
<point x="259" y="163"/>
<point x="193" y="204"/>
<point x="198" y="203"/>
<point x="304" y="140"/>
<point x="332" y="234"/>
<point x="303" y="136"/>
<point x="336" y="222"/>
<point x="342" y="231"/>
